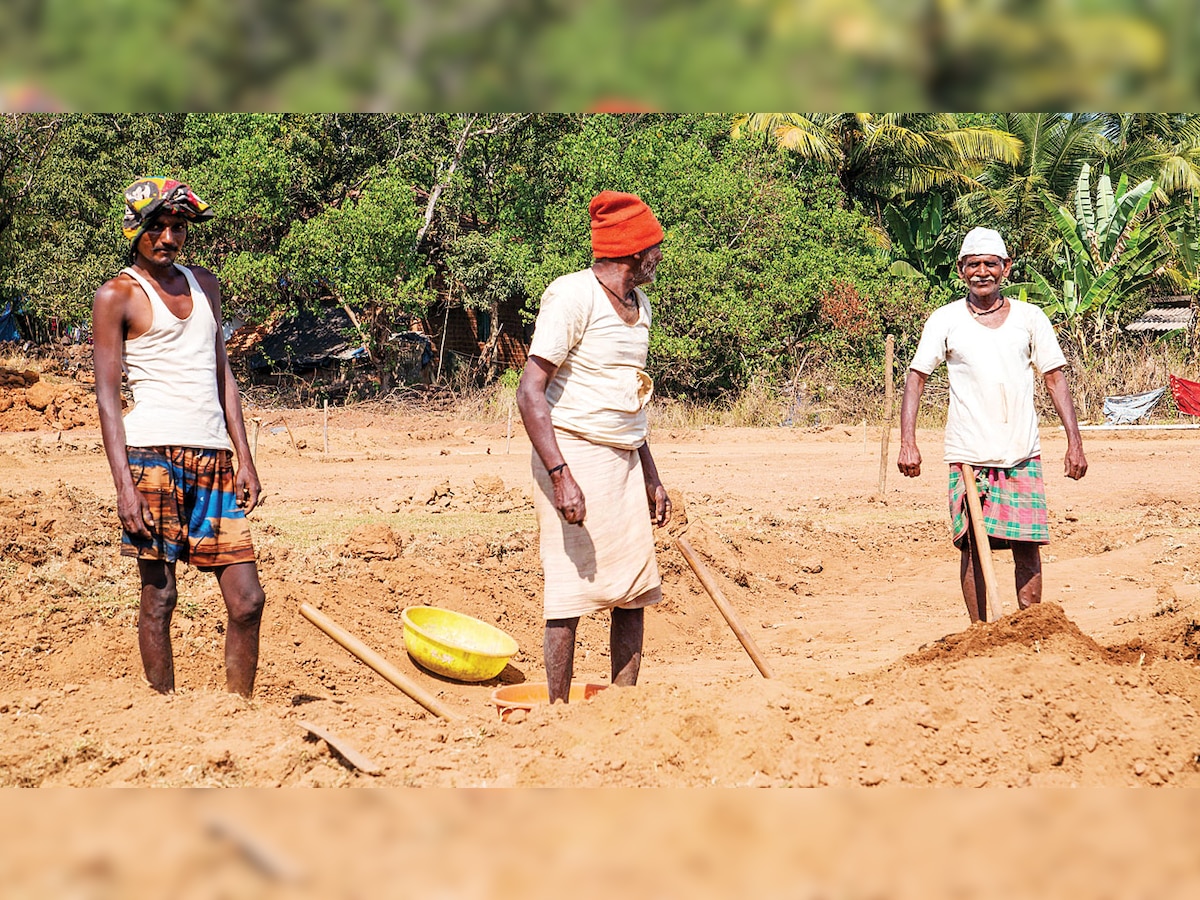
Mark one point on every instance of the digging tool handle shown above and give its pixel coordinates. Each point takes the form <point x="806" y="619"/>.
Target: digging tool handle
<point x="718" y="598"/>
<point x="376" y="662"/>
<point x="982" y="545"/>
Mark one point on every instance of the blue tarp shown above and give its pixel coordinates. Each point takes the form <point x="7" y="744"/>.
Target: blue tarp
<point x="1130" y="407"/>
<point x="8" y="324"/>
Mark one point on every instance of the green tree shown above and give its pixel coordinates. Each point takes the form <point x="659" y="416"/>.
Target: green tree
<point x="1105" y="256"/>
<point x="921" y="246"/>
<point x="66" y="235"/>
<point x="750" y="247"/>
<point x="361" y="253"/>
<point x="881" y="157"/>
<point x="1162" y="146"/>
<point x="1010" y="197"/>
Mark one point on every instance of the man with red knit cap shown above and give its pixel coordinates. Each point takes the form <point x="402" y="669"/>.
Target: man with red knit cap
<point x="583" y="399"/>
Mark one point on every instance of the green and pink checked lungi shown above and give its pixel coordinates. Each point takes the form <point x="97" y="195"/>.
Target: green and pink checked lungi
<point x="1013" y="501"/>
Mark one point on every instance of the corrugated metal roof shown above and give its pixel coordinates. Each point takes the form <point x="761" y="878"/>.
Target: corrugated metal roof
<point x="1163" y="318"/>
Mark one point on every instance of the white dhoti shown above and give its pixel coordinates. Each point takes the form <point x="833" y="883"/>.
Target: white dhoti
<point x="608" y="561"/>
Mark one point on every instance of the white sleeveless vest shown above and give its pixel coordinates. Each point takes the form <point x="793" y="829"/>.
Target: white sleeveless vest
<point x="172" y="372"/>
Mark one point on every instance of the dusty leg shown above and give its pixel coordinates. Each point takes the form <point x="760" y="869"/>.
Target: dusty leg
<point x="244" y="600"/>
<point x="558" y="647"/>
<point x="1027" y="565"/>
<point x="159" y="595"/>
<point x="625" y="645"/>
<point x="970" y="573"/>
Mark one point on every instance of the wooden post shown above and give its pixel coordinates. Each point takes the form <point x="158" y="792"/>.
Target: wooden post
<point x="508" y="435"/>
<point x="254" y="441"/>
<point x="442" y="348"/>
<point x="888" y="401"/>
<point x="325" y="428"/>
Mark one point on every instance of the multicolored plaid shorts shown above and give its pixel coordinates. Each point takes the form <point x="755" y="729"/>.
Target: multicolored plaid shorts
<point x="193" y="500"/>
<point x="1013" y="501"/>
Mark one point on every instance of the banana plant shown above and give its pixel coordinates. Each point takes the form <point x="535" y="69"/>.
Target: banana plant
<point x="918" y="244"/>
<point x="1104" y="254"/>
<point x="1183" y="230"/>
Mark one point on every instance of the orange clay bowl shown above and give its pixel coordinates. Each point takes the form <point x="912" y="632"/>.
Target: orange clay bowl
<point x="529" y="694"/>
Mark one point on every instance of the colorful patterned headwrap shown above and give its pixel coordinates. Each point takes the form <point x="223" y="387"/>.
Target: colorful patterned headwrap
<point x="147" y="197"/>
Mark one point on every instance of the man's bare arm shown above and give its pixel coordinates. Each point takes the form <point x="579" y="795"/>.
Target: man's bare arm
<point x="109" y="318"/>
<point x="909" y="459"/>
<point x="1075" y="463"/>
<point x="248" y="487"/>
<point x="535" y="415"/>
<point x="660" y="505"/>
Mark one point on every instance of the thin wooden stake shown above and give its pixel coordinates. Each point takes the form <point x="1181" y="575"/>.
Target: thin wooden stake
<point x="888" y="398"/>
<point x="325" y="428"/>
<point x="508" y="435"/>
<point x="442" y="348"/>
<point x="254" y="441"/>
<point x="288" y="428"/>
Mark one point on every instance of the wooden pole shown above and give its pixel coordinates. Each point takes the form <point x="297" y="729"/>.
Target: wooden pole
<point x="325" y="428"/>
<point x="718" y="598"/>
<point x="254" y="441"/>
<point x="888" y="402"/>
<point x="442" y="348"/>
<point x="508" y="435"/>
<point x="288" y="428"/>
<point x="376" y="662"/>
<point x="983" y="547"/>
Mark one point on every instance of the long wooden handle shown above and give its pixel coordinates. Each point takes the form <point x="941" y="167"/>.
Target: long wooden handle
<point x="718" y="598"/>
<point x="376" y="662"/>
<point x="983" y="546"/>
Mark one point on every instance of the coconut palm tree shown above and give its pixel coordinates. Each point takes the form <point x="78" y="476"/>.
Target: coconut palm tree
<point x="881" y="157"/>
<point x="1162" y="146"/>
<point x="1011" y="197"/>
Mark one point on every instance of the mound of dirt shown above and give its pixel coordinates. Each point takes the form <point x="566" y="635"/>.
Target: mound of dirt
<point x="32" y="405"/>
<point x="1042" y="625"/>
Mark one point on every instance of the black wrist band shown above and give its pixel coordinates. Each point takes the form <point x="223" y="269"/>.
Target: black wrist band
<point x="557" y="468"/>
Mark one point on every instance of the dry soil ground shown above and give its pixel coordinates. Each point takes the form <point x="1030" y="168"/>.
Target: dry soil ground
<point x="853" y="601"/>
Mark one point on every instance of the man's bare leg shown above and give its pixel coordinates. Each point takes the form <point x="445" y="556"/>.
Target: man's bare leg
<point x="244" y="600"/>
<point x="970" y="573"/>
<point x="158" y="598"/>
<point x="625" y="644"/>
<point x="1027" y="566"/>
<point x="558" y="647"/>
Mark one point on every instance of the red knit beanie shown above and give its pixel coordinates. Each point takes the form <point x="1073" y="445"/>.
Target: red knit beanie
<point x="622" y="225"/>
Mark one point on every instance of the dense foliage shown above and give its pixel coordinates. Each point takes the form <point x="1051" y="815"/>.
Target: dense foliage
<point x="794" y="241"/>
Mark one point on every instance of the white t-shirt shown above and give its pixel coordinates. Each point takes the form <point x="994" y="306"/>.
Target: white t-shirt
<point x="992" y="419"/>
<point x="600" y="390"/>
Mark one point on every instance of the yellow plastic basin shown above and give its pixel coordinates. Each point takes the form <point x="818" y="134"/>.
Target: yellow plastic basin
<point x="454" y="644"/>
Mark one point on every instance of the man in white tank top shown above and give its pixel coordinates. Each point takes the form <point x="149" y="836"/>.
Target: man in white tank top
<point x="179" y="494"/>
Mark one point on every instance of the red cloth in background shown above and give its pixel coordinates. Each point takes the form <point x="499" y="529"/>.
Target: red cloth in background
<point x="1187" y="395"/>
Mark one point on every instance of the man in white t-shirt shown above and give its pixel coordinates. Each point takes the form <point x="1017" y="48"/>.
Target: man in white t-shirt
<point x="583" y="399"/>
<point x="991" y="346"/>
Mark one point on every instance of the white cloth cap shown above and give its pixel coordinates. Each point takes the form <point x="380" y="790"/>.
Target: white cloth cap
<point x="983" y="242"/>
